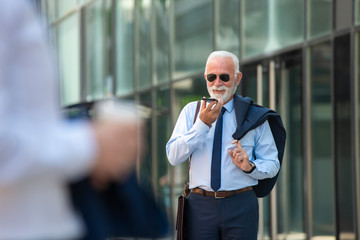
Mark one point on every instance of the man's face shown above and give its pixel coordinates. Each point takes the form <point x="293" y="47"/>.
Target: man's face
<point x="218" y="88"/>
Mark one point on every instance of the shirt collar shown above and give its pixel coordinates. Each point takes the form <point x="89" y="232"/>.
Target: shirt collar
<point x="229" y="105"/>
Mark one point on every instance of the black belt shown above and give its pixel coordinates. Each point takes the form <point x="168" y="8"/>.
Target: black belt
<point x="220" y="194"/>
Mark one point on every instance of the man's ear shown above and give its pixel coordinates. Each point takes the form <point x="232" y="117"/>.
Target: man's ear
<point x="239" y="76"/>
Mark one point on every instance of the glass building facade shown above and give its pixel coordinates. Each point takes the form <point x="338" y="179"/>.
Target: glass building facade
<point x="299" y="57"/>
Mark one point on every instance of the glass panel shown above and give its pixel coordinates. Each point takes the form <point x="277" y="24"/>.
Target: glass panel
<point x="248" y="83"/>
<point x="322" y="160"/>
<point x="357" y="79"/>
<point x="193" y="34"/>
<point x="94" y="53"/>
<point x="108" y="49"/>
<point x="270" y="25"/>
<point x="69" y="59"/>
<point x="227" y="37"/>
<point x="319" y="17"/>
<point x="343" y="162"/>
<point x="163" y="134"/>
<point x="161" y="52"/>
<point x="143" y="46"/>
<point x="64" y="6"/>
<point x="343" y="14"/>
<point x="288" y="74"/>
<point x="146" y="165"/>
<point x="265" y="83"/>
<point x="48" y="10"/>
<point x="357" y="12"/>
<point x="124" y="46"/>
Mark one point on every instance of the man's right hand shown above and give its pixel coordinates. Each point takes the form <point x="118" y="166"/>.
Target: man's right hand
<point x="209" y="113"/>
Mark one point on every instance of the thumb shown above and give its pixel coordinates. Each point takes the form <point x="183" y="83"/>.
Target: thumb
<point x="238" y="144"/>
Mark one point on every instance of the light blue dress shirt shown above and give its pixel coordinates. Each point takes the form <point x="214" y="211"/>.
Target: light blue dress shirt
<point x="197" y="140"/>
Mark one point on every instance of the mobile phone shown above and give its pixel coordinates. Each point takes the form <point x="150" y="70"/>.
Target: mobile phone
<point x="209" y="100"/>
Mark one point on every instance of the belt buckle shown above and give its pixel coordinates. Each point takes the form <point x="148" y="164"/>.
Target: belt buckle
<point x="217" y="196"/>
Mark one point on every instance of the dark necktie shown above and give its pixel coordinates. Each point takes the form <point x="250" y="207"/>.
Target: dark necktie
<point x="216" y="153"/>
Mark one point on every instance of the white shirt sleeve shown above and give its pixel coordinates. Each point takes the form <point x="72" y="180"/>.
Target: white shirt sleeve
<point x="34" y="139"/>
<point x="186" y="135"/>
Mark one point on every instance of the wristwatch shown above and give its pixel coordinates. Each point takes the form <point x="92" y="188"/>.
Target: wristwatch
<point x="253" y="166"/>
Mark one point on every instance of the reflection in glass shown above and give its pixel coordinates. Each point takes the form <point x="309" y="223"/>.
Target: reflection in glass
<point x="319" y="17"/>
<point x="143" y="44"/>
<point x="357" y="12"/>
<point x="69" y="59"/>
<point x="288" y="75"/>
<point x="357" y="79"/>
<point x="322" y="160"/>
<point x="146" y="166"/>
<point x="270" y="25"/>
<point x="227" y="37"/>
<point x="342" y="123"/>
<point x="124" y="46"/>
<point x="193" y="34"/>
<point x="48" y="9"/>
<point x="163" y="125"/>
<point x="64" y="6"/>
<point x="248" y="83"/>
<point x="94" y="53"/>
<point x="265" y="85"/>
<point x="161" y="52"/>
<point x="343" y="14"/>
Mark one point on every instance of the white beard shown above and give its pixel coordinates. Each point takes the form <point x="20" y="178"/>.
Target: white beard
<point x="229" y="92"/>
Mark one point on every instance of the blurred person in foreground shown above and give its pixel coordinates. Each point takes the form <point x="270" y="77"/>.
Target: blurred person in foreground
<point x="40" y="151"/>
<point x="222" y="203"/>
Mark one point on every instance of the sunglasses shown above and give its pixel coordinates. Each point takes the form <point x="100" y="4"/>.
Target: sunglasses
<point x="223" y="77"/>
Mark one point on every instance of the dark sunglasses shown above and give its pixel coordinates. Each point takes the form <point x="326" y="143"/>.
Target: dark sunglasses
<point x="223" y="77"/>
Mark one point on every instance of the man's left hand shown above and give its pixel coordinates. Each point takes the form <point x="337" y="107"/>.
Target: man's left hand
<point x="240" y="157"/>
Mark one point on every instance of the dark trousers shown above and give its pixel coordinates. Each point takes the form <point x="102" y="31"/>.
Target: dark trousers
<point x="208" y="218"/>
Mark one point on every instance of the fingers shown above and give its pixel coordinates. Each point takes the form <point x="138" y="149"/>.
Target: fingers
<point x="210" y="106"/>
<point x="218" y="105"/>
<point x="203" y="105"/>
<point x="237" y="142"/>
<point x="207" y="108"/>
<point x="238" y="152"/>
<point x="231" y="154"/>
<point x="210" y="113"/>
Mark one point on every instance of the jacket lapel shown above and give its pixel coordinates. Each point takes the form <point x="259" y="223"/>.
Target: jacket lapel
<point x="241" y="106"/>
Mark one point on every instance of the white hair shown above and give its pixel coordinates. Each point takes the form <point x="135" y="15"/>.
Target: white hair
<point x="224" y="54"/>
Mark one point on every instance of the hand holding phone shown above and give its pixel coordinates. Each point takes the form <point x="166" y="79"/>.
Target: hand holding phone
<point x="210" y="112"/>
<point x="209" y="100"/>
